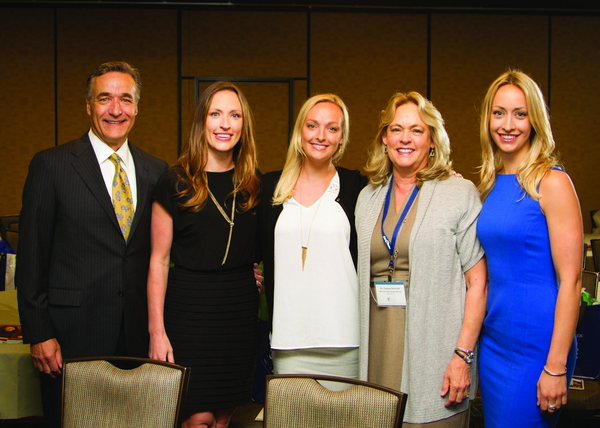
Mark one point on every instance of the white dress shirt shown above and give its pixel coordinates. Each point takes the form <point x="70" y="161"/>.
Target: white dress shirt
<point x="103" y="152"/>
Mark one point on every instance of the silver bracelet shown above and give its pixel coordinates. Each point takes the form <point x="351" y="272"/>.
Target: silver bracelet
<point x="554" y="374"/>
<point x="468" y="356"/>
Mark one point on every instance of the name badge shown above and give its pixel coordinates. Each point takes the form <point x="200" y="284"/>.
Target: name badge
<point x="390" y="294"/>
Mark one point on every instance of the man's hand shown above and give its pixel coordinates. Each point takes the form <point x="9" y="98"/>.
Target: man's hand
<point x="47" y="357"/>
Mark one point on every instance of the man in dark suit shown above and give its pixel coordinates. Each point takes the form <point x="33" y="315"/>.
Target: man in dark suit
<point x="82" y="272"/>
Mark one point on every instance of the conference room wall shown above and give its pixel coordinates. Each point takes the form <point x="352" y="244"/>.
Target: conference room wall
<point x="145" y="38"/>
<point x="575" y="93"/>
<point x="364" y="57"/>
<point x="248" y="44"/>
<point x="468" y="52"/>
<point x="27" y="92"/>
<point x="84" y="39"/>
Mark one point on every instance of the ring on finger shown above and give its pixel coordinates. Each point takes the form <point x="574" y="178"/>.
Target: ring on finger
<point x="551" y="407"/>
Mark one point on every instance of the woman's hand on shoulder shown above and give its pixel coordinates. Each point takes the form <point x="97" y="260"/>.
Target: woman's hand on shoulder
<point x="160" y="348"/>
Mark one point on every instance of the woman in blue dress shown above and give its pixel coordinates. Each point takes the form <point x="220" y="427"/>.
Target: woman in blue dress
<point x="531" y="229"/>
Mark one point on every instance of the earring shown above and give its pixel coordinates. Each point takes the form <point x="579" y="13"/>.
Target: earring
<point x="341" y="149"/>
<point x="385" y="149"/>
<point x="431" y="152"/>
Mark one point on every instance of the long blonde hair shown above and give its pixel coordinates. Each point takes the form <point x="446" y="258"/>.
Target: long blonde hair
<point x="296" y="156"/>
<point x="541" y="155"/>
<point x="192" y="162"/>
<point x="379" y="166"/>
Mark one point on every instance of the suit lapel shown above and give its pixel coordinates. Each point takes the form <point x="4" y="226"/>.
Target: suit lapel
<point x="142" y="182"/>
<point x="86" y="164"/>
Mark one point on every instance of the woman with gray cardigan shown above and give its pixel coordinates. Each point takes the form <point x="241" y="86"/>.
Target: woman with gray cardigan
<point x="421" y="269"/>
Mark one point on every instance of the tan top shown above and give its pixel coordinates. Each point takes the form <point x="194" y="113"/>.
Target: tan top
<point x="387" y="325"/>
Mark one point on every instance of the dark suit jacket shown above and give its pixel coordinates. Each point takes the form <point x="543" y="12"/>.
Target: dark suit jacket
<point x="77" y="278"/>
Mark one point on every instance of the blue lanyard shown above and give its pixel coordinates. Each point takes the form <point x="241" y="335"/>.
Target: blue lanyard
<point x="391" y="245"/>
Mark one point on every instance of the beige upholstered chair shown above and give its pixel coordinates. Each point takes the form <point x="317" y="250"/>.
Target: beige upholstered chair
<point x="300" y="401"/>
<point x="98" y="394"/>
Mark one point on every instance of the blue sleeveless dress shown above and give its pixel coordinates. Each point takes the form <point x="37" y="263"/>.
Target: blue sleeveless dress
<point x="523" y="287"/>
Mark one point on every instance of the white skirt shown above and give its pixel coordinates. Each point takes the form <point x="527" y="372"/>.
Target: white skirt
<point x="341" y="362"/>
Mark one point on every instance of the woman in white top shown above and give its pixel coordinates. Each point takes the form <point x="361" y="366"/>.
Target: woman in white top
<point x="309" y="246"/>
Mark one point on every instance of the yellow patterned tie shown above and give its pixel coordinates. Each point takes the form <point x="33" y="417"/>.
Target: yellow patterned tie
<point x="122" y="199"/>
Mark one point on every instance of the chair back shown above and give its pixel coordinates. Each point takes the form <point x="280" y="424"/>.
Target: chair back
<point x="98" y="394"/>
<point x="300" y="401"/>
<point x="595" y="244"/>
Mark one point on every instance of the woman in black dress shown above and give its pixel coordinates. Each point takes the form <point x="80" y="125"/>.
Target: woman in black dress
<point x="203" y="310"/>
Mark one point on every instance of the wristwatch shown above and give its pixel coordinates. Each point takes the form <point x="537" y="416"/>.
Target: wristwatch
<point x="466" y="354"/>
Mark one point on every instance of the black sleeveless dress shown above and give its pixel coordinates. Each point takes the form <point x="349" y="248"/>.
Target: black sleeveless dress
<point x="211" y="309"/>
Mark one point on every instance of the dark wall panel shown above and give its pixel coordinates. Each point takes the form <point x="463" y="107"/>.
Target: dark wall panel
<point x="365" y="59"/>
<point x="27" y="88"/>
<point x="248" y="44"/>
<point x="575" y="95"/>
<point x="256" y="44"/>
<point x="147" y="39"/>
<point x="468" y="52"/>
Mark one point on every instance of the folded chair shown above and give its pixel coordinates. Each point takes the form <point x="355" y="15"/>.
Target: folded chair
<point x="300" y="401"/>
<point x="98" y="394"/>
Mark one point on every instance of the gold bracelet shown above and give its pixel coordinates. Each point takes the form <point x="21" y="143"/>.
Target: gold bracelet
<point x="554" y="374"/>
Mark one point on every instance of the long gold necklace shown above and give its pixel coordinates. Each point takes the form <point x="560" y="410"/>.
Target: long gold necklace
<point x="226" y="219"/>
<point x="305" y="246"/>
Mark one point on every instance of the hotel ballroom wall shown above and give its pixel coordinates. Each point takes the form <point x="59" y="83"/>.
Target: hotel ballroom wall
<point x="362" y="55"/>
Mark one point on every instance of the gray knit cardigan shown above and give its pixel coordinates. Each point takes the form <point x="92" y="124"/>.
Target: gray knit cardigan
<point x="443" y="245"/>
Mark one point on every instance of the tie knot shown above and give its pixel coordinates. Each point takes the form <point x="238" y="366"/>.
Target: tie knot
<point x="115" y="159"/>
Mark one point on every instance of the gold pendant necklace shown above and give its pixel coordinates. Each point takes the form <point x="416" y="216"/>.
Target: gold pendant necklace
<point x="226" y="219"/>
<point x="305" y="246"/>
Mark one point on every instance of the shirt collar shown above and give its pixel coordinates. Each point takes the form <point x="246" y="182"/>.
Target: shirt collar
<point x="103" y="150"/>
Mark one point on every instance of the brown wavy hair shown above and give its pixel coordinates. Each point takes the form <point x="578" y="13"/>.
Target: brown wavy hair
<point x="192" y="162"/>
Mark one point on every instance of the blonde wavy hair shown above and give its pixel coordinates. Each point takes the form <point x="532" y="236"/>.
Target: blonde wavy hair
<point x="192" y="162"/>
<point x="296" y="156"/>
<point x="379" y="166"/>
<point x="541" y="156"/>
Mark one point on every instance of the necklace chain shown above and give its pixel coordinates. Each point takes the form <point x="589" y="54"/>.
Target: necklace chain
<point x="231" y="223"/>
<point x="305" y="247"/>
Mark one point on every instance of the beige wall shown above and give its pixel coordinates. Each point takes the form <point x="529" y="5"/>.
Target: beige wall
<point x="363" y="57"/>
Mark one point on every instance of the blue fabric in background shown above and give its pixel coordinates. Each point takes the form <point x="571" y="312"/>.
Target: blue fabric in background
<point x="5" y="248"/>
<point x="588" y="344"/>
